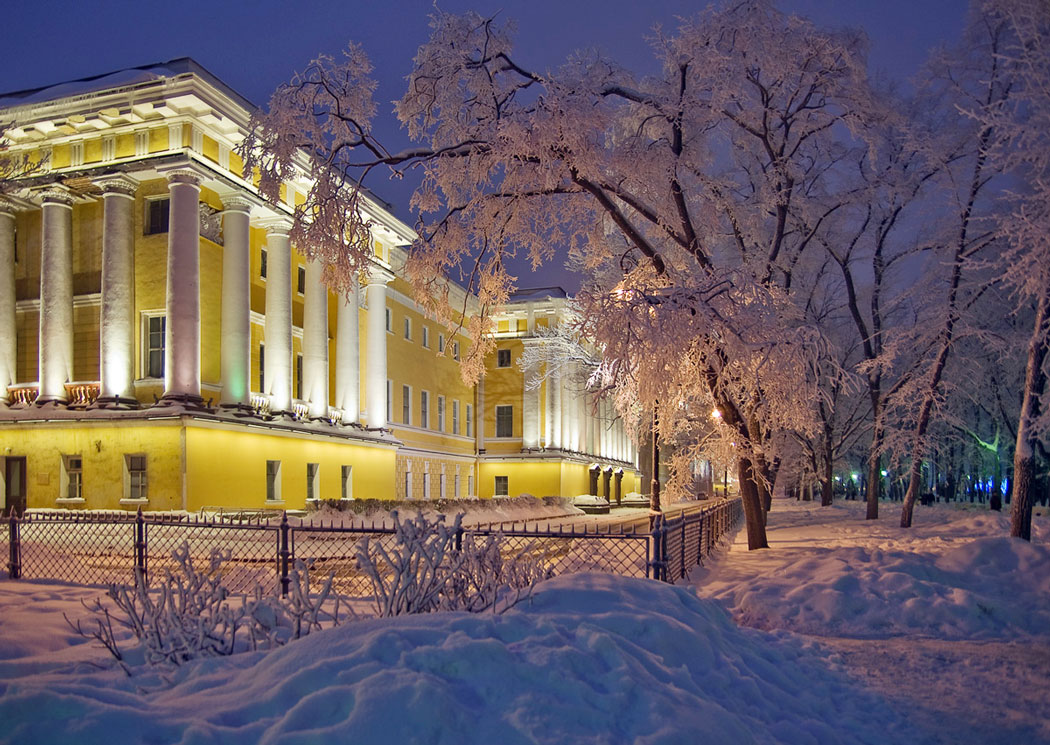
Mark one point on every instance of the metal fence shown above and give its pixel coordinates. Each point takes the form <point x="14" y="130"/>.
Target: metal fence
<point x="101" y="549"/>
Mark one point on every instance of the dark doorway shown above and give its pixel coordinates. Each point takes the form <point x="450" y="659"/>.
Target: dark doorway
<point x="593" y="486"/>
<point x="15" y="485"/>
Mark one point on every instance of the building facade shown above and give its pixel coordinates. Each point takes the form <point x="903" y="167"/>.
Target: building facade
<point x="163" y="344"/>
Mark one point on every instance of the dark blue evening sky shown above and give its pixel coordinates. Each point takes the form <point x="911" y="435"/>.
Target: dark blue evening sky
<point x="254" y="46"/>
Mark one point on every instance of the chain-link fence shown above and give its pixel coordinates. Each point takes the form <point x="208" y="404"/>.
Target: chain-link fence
<point x="100" y="549"/>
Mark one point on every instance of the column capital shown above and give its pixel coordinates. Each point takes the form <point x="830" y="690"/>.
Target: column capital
<point x="378" y="275"/>
<point x="117" y="184"/>
<point x="184" y="173"/>
<point x="237" y="203"/>
<point x="56" y="194"/>
<point x="276" y="225"/>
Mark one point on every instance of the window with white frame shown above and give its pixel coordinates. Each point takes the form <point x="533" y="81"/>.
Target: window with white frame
<point x="135" y="471"/>
<point x="406" y="404"/>
<point x="157" y="211"/>
<point x="502" y="486"/>
<point x="299" y="376"/>
<point x="441" y="343"/>
<point x="441" y="414"/>
<point x="505" y="421"/>
<point x="408" y="482"/>
<point x="347" y="479"/>
<point x="262" y="264"/>
<point x="470" y="484"/>
<point x="408" y="328"/>
<point x="455" y="417"/>
<point x="426" y="481"/>
<point x="455" y="350"/>
<point x="424" y="409"/>
<point x="455" y="484"/>
<point x="441" y="484"/>
<point x="389" y="401"/>
<point x="72" y="477"/>
<point x="312" y="486"/>
<point x="389" y="320"/>
<point x="502" y="358"/>
<point x="426" y="337"/>
<point x="154" y="345"/>
<point x="300" y="280"/>
<point x="262" y="368"/>
<point x="273" y="481"/>
<point x="470" y="421"/>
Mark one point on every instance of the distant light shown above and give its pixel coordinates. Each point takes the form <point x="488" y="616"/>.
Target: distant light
<point x="856" y="476"/>
<point x="838" y="478"/>
<point x="885" y="472"/>
<point x="716" y="414"/>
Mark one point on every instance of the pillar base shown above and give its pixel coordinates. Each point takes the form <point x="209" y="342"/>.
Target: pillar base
<point x="238" y="409"/>
<point x="50" y="402"/>
<point x="183" y="400"/>
<point x="114" y="402"/>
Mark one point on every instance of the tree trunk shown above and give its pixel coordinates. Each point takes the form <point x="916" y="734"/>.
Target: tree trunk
<point x="827" y="482"/>
<point x="1024" y="452"/>
<point x="874" y="463"/>
<point x="654" y="485"/>
<point x="753" y="512"/>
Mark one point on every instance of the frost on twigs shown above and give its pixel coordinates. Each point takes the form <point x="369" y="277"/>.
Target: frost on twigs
<point x="191" y="614"/>
<point x="424" y="571"/>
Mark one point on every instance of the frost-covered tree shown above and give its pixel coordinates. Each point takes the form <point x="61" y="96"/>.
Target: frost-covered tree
<point x="1023" y="121"/>
<point x="691" y="197"/>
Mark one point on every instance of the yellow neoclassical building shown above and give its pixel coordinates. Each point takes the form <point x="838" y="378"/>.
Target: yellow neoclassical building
<point x="164" y="346"/>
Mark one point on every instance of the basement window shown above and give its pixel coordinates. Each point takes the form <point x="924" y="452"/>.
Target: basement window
<point x="502" y="486"/>
<point x="311" y="480"/>
<point x="72" y="478"/>
<point x="135" y="473"/>
<point x="273" y="481"/>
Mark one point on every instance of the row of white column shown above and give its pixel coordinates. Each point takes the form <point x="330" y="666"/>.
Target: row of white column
<point x="574" y="420"/>
<point x="182" y="378"/>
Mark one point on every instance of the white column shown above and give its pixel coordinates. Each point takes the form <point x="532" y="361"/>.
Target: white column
<point x="530" y="401"/>
<point x="117" y="318"/>
<point x="278" y="330"/>
<point x="375" y="354"/>
<point x="56" y="297"/>
<point x="315" y="341"/>
<point x="235" y="345"/>
<point x="567" y="406"/>
<point x="8" y="329"/>
<point x="348" y="357"/>
<point x="182" y="332"/>
<point x="479" y="414"/>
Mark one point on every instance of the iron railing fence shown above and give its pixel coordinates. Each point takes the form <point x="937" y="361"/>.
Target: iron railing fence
<point x="106" y="548"/>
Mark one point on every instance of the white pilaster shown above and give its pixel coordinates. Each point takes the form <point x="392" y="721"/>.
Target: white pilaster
<point x="530" y="408"/>
<point x="117" y="318"/>
<point x="315" y="341"/>
<point x="375" y="353"/>
<point x="479" y="413"/>
<point x="278" y="329"/>
<point x="235" y="349"/>
<point x="8" y="329"/>
<point x="554" y="412"/>
<point x="182" y="334"/>
<point x="348" y="357"/>
<point x="56" y="297"/>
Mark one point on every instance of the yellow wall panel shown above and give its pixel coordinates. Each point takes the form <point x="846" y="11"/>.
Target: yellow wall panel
<point x="60" y="157"/>
<point x="93" y="150"/>
<point x="210" y="149"/>
<point x="125" y="146"/>
<point x="158" y="139"/>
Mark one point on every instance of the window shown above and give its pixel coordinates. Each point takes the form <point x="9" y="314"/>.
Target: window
<point x="389" y="401"/>
<point x="389" y="321"/>
<point x="300" y="280"/>
<point x="441" y="485"/>
<point x="157" y="216"/>
<point x="262" y="368"/>
<point x="455" y="350"/>
<point x="502" y="486"/>
<point x="408" y="482"/>
<point x="406" y="405"/>
<point x="262" y="264"/>
<point x="273" y="481"/>
<point x="502" y="358"/>
<point x="424" y="409"/>
<point x="426" y="481"/>
<point x="73" y="477"/>
<point x="136" y="472"/>
<point x="455" y="417"/>
<point x="470" y="484"/>
<point x="504" y="421"/>
<point x="408" y="328"/>
<point x="455" y="485"/>
<point x="155" y="346"/>
<point x="426" y="337"/>
<point x="441" y="343"/>
<point x="311" y="480"/>
<point x="441" y="414"/>
<point x="470" y="421"/>
<point x="299" y="376"/>
<point x="347" y="480"/>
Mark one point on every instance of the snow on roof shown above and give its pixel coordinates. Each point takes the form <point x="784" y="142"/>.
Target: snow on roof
<point x="117" y="79"/>
<point x="527" y="294"/>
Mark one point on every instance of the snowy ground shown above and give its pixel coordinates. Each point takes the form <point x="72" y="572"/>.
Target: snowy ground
<point x="601" y="659"/>
<point x="950" y="620"/>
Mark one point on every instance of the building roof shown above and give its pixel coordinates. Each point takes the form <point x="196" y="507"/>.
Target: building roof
<point x="527" y="294"/>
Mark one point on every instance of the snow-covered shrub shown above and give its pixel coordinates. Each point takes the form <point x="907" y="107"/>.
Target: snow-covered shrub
<point x="190" y="614"/>
<point x="425" y="571"/>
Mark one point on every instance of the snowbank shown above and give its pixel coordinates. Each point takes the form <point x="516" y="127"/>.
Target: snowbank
<point x="590" y="659"/>
<point x="954" y="575"/>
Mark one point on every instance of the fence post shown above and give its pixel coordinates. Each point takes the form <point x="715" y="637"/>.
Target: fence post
<point x="659" y="548"/>
<point x="459" y="538"/>
<point x="283" y="554"/>
<point x="681" y="552"/>
<point x="14" y="566"/>
<point x="140" y="545"/>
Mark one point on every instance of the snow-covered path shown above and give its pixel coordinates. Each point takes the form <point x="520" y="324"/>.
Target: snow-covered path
<point x="949" y="621"/>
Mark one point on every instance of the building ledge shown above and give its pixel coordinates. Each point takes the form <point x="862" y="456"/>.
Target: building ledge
<point x="70" y="500"/>
<point x="135" y="502"/>
<point x="274" y="503"/>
